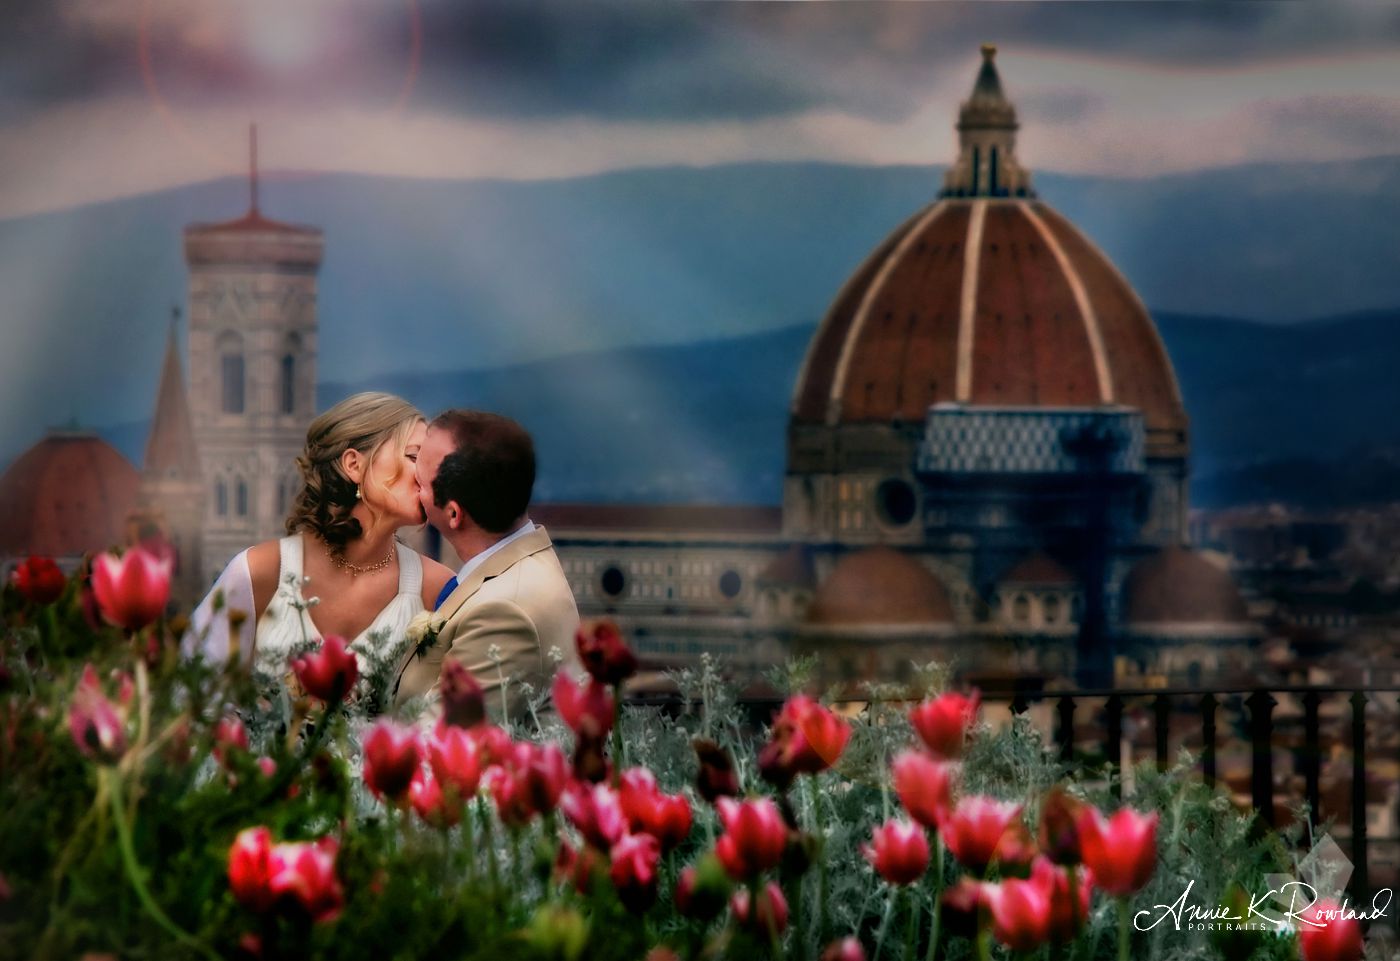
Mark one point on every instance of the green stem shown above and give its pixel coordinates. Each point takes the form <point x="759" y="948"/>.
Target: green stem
<point x="912" y="929"/>
<point x="1074" y="908"/>
<point x="984" y="945"/>
<point x="133" y="871"/>
<point x="488" y="838"/>
<point x="519" y="861"/>
<point x="820" y="835"/>
<point x="933" y="931"/>
<point x="884" y="924"/>
<point x="1123" y="932"/>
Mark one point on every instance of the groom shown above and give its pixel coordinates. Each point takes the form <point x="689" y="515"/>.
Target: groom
<point x="475" y="473"/>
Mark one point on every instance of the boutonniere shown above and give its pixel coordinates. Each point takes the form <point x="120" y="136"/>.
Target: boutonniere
<point x="423" y="631"/>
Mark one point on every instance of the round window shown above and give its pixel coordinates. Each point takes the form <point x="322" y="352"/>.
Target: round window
<point x="613" y="581"/>
<point x="729" y="584"/>
<point x="895" y="501"/>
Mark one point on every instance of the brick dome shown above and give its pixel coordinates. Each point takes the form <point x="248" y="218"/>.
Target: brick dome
<point x="987" y="296"/>
<point x="879" y="586"/>
<point x="68" y="494"/>
<point x="1178" y="586"/>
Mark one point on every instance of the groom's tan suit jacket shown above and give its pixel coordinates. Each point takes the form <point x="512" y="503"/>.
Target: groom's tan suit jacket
<point x="518" y="601"/>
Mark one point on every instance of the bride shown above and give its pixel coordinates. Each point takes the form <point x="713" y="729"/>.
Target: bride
<point x="340" y="569"/>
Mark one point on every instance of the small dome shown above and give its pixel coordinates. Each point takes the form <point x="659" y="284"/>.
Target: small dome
<point x="880" y="586"/>
<point x="1178" y="586"/>
<point x="1039" y="570"/>
<point x="68" y="494"/>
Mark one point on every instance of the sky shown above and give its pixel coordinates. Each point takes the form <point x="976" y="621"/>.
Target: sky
<point x="101" y="99"/>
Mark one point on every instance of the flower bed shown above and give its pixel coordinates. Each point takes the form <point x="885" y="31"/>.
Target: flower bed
<point x="157" y="807"/>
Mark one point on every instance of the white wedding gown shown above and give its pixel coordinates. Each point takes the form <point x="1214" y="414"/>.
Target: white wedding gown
<point x="282" y="626"/>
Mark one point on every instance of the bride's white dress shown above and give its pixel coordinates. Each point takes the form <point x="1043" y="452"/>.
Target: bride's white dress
<point x="283" y="627"/>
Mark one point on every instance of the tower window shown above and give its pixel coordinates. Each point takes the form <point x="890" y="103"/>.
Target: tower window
<point x="289" y="384"/>
<point x="241" y="498"/>
<point x="221" y="497"/>
<point x="232" y="369"/>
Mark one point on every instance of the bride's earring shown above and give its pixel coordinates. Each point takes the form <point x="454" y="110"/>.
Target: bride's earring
<point x="357" y="492"/>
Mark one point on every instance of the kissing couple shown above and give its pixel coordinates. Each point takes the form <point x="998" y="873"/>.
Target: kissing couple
<point x="374" y="464"/>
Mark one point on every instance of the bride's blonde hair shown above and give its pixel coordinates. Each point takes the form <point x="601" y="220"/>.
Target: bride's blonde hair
<point x="363" y="422"/>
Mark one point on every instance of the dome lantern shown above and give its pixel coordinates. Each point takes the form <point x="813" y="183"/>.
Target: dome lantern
<point x="986" y="165"/>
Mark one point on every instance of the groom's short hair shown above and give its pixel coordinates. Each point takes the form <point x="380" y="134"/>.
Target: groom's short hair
<point x="490" y="472"/>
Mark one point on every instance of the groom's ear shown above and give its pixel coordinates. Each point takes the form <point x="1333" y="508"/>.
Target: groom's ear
<point x="455" y="515"/>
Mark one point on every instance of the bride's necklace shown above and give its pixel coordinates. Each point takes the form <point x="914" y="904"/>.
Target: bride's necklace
<point x="355" y="570"/>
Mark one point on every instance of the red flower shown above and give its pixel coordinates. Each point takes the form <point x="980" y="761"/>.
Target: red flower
<point x="529" y="783"/>
<point x="229" y="732"/>
<point x="633" y="871"/>
<point x="250" y="868"/>
<point x="586" y="706"/>
<point x="1016" y="851"/>
<point x="924" y="786"/>
<point x="1324" y="934"/>
<point x="754" y="839"/>
<point x="806" y="738"/>
<point x="455" y="758"/>
<point x="1020" y="913"/>
<point x="306" y="873"/>
<point x="495" y="744"/>
<point x="131" y="590"/>
<point x="577" y="867"/>
<point x="847" y="949"/>
<point x="39" y="579"/>
<point x="1121" y="852"/>
<point x="97" y="727"/>
<point x="974" y="830"/>
<point x="716" y="778"/>
<point x="1066" y="918"/>
<point x="391" y="759"/>
<point x="604" y="653"/>
<point x="433" y="806"/>
<point x="770" y="917"/>
<point x="899" y="852"/>
<point x="329" y="673"/>
<point x="943" y="722"/>
<point x="667" y="817"/>
<point x="463" y="700"/>
<point x="594" y="809"/>
<point x="1059" y="826"/>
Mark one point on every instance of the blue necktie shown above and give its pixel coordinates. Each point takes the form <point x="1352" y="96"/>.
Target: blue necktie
<point x="446" y="592"/>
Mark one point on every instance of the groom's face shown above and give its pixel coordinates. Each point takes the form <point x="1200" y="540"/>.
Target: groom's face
<point x="436" y="446"/>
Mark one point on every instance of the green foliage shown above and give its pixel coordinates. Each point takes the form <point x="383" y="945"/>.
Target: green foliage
<point x="478" y="890"/>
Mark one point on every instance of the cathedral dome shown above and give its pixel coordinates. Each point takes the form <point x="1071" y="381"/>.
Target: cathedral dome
<point x="68" y="494"/>
<point x="987" y="296"/>
<point x="1178" y="586"/>
<point x="880" y="586"/>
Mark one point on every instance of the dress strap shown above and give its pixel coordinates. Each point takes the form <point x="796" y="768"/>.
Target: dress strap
<point x="410" y="569"/>
<point x="290" y="550"/>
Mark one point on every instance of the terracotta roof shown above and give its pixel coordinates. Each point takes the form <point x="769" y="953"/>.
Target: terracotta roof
<point x="170" y="448"/>
<point x="68" y="494"/>
<point x="1177" y="586"/>
<point x="681" y="518"/>
<point x="251" y="222"/>
<point x="880" y="586"/>
<point x="1048" y="322"/>
<point x="1039" y="568"/>
<point x="792" y="568"/>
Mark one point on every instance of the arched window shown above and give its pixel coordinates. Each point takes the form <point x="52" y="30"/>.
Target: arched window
<point x="1021" y="609"/>
<point x="231" y="373"/>
<point x="289" y="384"/>
<point x="221" y="498"/>
<point x="992" y="172"/>
<point x="1051" y="606"/>
<point x="241" y="498"/>
<point x="976" y="168"/>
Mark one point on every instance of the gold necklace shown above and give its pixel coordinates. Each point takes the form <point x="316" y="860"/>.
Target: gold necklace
<point x="355" y="570"/>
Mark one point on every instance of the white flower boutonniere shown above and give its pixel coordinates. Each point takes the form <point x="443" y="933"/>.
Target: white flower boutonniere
<point x="424" y="629"/>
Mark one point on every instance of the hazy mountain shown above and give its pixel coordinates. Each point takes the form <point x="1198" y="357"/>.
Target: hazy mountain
<point x="428" y="276"/>
<point x="1291" y="413"/>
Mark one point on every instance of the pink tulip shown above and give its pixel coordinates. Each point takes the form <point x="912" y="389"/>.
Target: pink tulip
<point x="604" y="653"/>
<point x="975" y="829"/>
<point x="899" y="852"/>
<point x="330" y="672"/>
<point x="131" y="590"/>
<point x="1325" y="935"/>
<point x="666" y="817"/>
<point x="433" y="806"/>
<point x="305" y="872"/>
<point x="633" y="871"/>
<point x="1067" y="914"/>
<point x="754" y="839"/>
<point x="97" y="727"/>
<point x="229" y="732"/>
<point x="392" y="756"/>
<point x="943" y="723"/>
<point x="925" y="787"/>
<point x="847" y="949"/>
<point x="594" y="809"/>
<point x="39" y="579"/>
<point x="1020" y="912"/>
<point x="463" y="700"/>
<point x="250" y="868"/>
<point x="585" y="706"/>
<point x="529" y="782"/>
<point x="455" y="757"/>
<point x="769" y="918"/>
<point x="806" y="738"/>
<point x="1121" y="851"/>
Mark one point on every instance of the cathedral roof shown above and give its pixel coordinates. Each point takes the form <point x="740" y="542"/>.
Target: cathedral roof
<point x="171" y="451"/>
<point x="1178" y="586"/>
<point x="985" y="298"/>
<point x="1041" y="570"/>
<point x="879" y="586"/>
<point x="68" y="494"/>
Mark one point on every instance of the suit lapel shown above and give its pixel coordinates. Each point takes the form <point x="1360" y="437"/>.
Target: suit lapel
<point x="494" y="566"/>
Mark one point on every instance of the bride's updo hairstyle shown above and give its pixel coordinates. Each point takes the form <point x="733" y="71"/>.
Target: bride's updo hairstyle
<point x="363" y="422"/>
